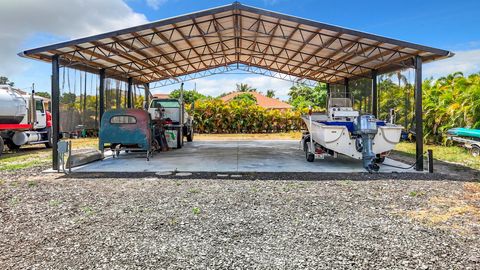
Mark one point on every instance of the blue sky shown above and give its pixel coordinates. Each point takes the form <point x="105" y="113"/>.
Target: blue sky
<point x="442" y="24"/>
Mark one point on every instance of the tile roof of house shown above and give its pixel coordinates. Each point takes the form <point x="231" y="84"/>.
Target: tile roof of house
<point x="161" y="95"/>
<point x="262" y="101"/>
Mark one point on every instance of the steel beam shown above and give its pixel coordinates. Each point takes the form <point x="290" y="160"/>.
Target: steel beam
<point x="418" y="114"/>
<point x="55" y="109"/>
<point x="101" y="93"/>
<point x="374" y="94"/>
<point x="129" y="93"/>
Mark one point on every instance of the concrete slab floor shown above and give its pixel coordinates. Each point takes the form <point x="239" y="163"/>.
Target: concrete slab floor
<point x="232" y="156"/>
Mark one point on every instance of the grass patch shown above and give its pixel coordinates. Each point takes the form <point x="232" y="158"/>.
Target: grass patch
<point x="416" y="193"/>
<point x="15" y="200"/>
<point x="31" y="184"/>
<point x="54" y="203"/>
<point x="29" y="156"/>
<point x="87" y="210"/>
<point x="458" y="212"/>
<point x="193" y="191"/>
<point x="196" y="210"/>
<point x="454" y="154"/>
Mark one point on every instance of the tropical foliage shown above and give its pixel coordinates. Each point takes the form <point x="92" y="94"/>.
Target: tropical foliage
<point x="303" y="96"/>
<point x="240" y="116"/>
<point x="189" y="96"/>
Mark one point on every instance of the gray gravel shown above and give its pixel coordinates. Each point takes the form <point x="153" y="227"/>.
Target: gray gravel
<point x="154" y="223"/>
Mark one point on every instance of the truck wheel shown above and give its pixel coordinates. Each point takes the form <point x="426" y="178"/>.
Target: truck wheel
<point x="179" y="138"/>
<point x="190" y="135"/>
<point x="12" y="146"/>
<point x="49" y="144"/>
<point x="475" y="151"/>
<point x="2" y="146"/>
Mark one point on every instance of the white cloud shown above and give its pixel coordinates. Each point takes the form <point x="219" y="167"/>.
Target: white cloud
<point x="465" y="61"/>
<point x="21" y="20"/>
<point x="155" y="4"/>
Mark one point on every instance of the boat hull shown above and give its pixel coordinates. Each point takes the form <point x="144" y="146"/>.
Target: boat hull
<point x="338" y="138"/>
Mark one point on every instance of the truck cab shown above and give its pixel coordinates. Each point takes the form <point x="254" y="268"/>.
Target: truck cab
<point x="175" y="116"/>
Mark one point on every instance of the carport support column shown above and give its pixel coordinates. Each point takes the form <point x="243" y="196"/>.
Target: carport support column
<point x="129" y="93"/>
<point x="101" y="92"/>
<point x="55" y="109"/>
<point x="347" y="89"/>
<point x="418" y="114"/>
<point x="374" y="94"/>
<point x="147" y="94"/>
<point x="328" y="89"/>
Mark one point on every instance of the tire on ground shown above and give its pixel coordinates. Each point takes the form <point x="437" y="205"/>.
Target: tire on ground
<point x="49" y="144"/>
<point x="475" y="151"/>
<point x="2" y="146"/>
<point x="179" y="138"/>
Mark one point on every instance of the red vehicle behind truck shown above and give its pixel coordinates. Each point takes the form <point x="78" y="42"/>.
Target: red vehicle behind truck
<point x="24" y="119"/>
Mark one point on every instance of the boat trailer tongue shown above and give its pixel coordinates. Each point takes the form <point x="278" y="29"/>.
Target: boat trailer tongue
<point x="366" y="129"/>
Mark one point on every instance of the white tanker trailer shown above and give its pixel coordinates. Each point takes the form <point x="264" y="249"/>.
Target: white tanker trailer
<point x="23" y="119"/>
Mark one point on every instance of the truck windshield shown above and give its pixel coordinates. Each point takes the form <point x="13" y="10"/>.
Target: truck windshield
<point x="165" y="104"/>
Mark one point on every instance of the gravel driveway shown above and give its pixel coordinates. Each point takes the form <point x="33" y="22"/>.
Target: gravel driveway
<point x="154" y="223"/>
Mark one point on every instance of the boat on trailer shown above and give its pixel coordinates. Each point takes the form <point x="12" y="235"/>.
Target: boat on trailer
<point x="342" y="130"/>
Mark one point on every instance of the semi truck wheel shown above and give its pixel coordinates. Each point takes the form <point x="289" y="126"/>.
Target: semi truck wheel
<point x="49" y="144"/>
<point x="12" y="146"/>
<point x="2" y="145"/>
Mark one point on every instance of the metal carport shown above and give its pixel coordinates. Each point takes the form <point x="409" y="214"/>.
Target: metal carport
<point x="237" y="34"/>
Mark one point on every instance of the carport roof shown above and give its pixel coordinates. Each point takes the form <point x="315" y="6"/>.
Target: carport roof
<point x="241" y="34"/>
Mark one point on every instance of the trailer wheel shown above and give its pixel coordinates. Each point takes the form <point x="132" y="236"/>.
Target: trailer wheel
<point x="309" y="156"/>
<point x="379" y="159"/>
<point x="2" y="146"/>
<point x="475" y="151"/>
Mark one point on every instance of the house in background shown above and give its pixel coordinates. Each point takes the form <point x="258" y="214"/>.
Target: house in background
<point x="262" y="101"/>
<point x="161" y="95"/>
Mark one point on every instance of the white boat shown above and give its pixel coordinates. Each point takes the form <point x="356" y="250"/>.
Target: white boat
<point x="344" y="131"/>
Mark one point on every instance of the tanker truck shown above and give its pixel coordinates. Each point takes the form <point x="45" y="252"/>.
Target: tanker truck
<point x="24" y="119"/>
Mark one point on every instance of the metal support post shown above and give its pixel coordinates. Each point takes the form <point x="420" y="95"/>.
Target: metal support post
<point x="55" y="132"/>
<point x="418" y="114"/>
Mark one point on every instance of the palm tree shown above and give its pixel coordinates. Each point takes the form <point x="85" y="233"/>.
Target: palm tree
<point x="243" y="87"/>
<point x="270" y="93"/>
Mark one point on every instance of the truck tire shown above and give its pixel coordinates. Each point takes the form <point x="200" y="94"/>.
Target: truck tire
<point x="475" y="151"/>
<point x="179" y="138"/>
<point x="2" y="146"/>
<point x="49" y="144"/>
<point x="190" y="135"/>
<point x="12" y="146"/>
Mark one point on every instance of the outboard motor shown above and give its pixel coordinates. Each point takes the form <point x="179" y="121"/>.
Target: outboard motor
<point x="366" y="129"/>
